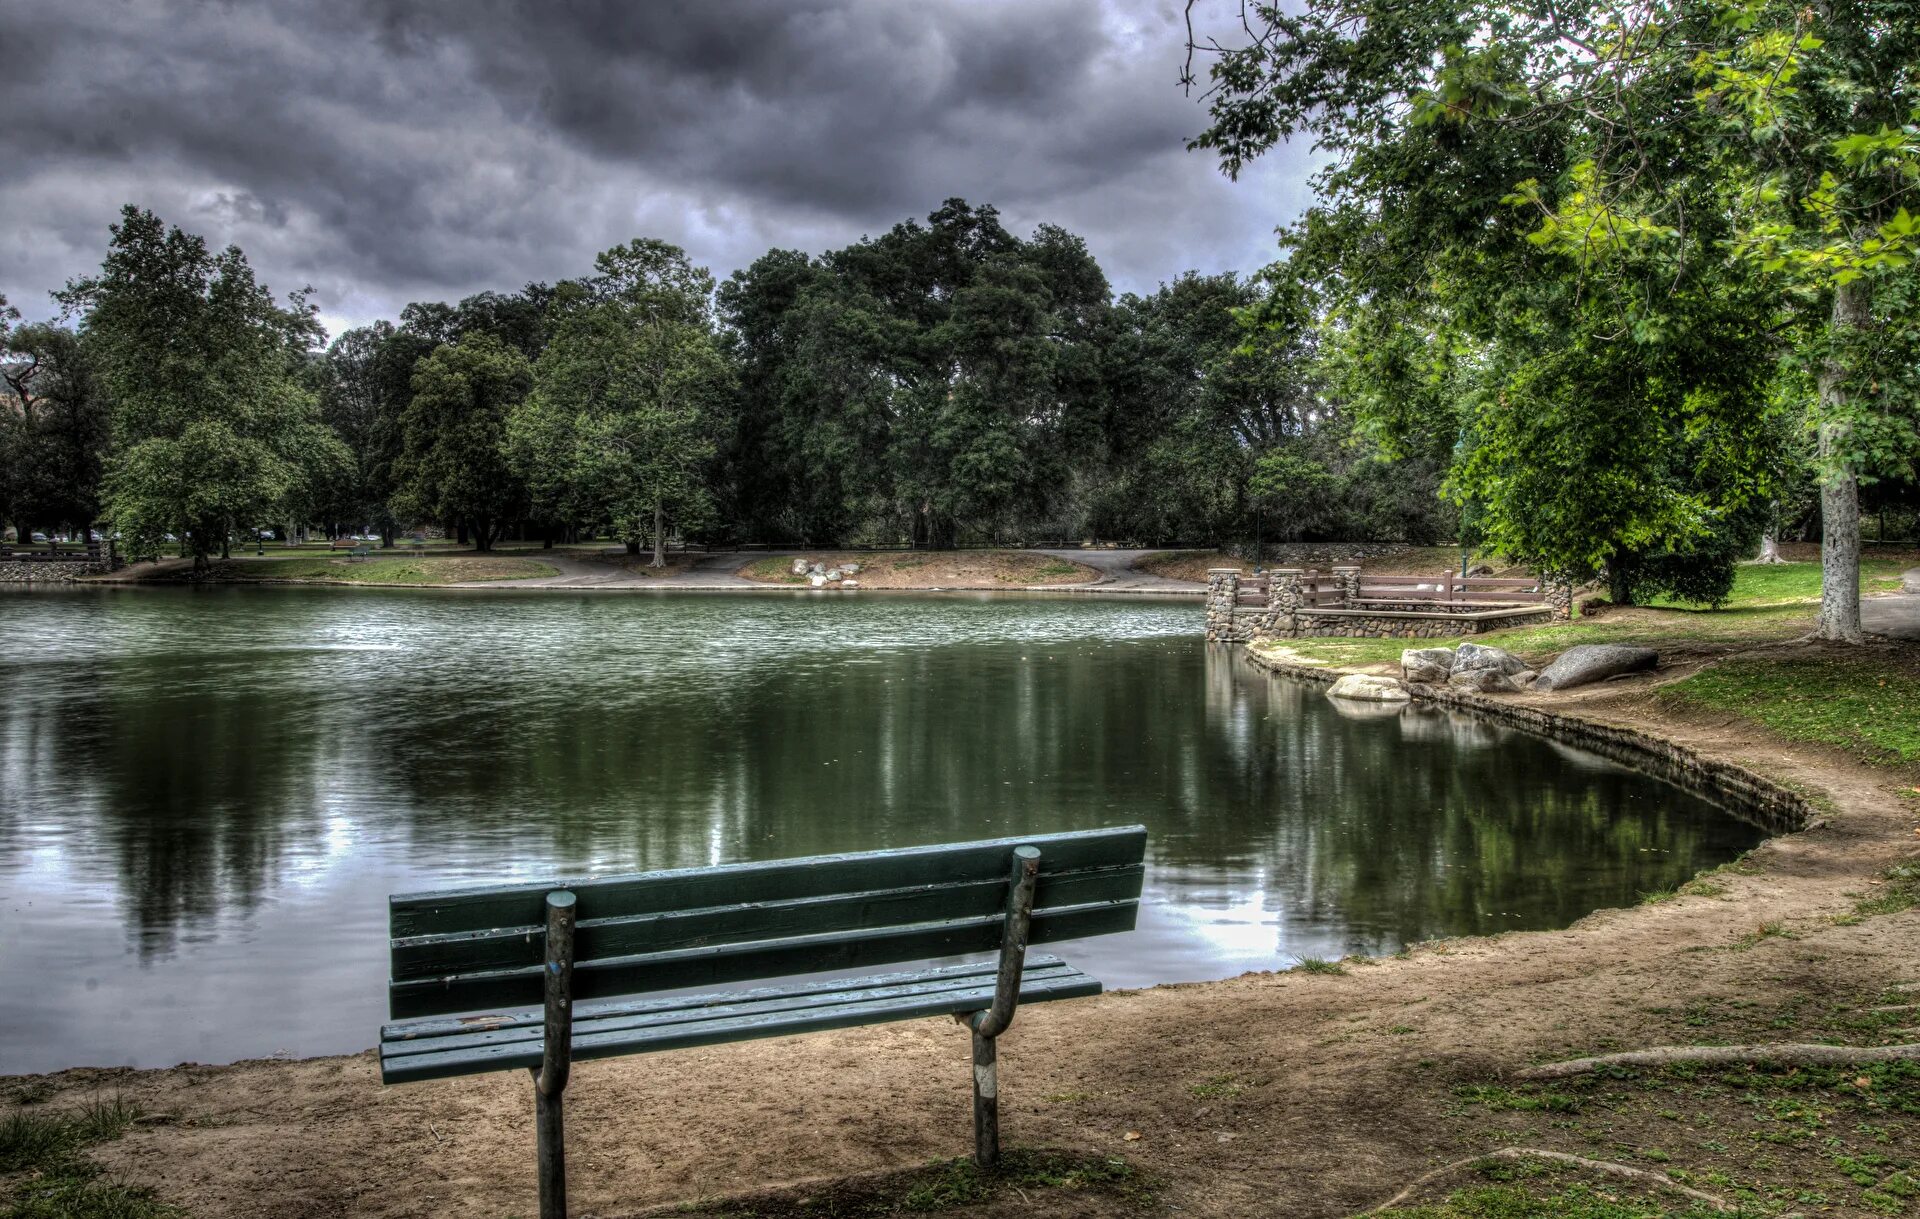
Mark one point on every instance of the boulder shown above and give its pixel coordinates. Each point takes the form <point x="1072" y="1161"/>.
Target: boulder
<point x="800" y="567"/>
<point x="816" y="569"/>
<point x="849" y="584"/>
<point x="1480" y="570"/>
<point x="1365" y="688"/>
<point x="1426" y="664"/>
<point x="1484" y="681"/>
<point x="1471" y="656"/>
<point x="1591" y="662"/>
<point x="849" y="568"/>
<point x="817" y="579"/>
<point x="833" y="573"/>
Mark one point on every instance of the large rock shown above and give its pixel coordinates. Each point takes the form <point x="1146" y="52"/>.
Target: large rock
<point x="1484" y="681"/>
<point x="800" y="567"/>
<point x="1431" y="665"/>
<point x="1365" y="688"/>
<point x="1474" y="656"/>
<point x="1590" y="662"/>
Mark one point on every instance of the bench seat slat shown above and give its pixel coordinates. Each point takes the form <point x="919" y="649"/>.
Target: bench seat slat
<point x="856" y="1004"/>
<point x="435" y="1026"/>
<point x="415" y="914"/>
<point x="399" y="1040"/>
<point x="715" y="965"/>
<point x="438" y="956"/>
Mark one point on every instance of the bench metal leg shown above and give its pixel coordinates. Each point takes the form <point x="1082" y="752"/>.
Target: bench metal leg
<point x="986" y="1103"/>
<point x="989" y="1024"/>
<point x="550" y="1077"/>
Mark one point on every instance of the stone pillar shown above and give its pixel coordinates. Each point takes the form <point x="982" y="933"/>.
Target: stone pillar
<point x="1223" y="591"/>
<point x="1283" y="600"/>
<point x="1557" y="591"/>
<point x="1348" y="578"/>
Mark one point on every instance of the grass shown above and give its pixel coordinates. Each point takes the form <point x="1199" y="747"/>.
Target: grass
<point x="1318" y="965"/>
<point x="46" y="1174"/>
<point x="1865" y="701"/>
<point x="1571" y="1202"/>
<point x="1789" y="583"/>
<point x="400" y="569"/>
<point x="948" y="1184"/>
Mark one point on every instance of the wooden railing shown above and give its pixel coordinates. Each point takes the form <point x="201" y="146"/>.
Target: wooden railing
<point x="1448" y="589"/>
<point x="1323" y="591"/>
<point x="42" y="552"/>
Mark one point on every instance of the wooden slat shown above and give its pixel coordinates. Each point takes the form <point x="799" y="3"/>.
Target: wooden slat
<point x="486" y="909"/>
<point x="399" y="1040"/>
<point x="726" y="1028"/>
<point x="719" y="965"/>
<point x="533" y="1017"/>
<point x="466" y="952"/>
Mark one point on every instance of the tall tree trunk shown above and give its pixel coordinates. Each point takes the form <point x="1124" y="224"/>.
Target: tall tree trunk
<point x="659" y="534"/>
<point x="1770" y="541"/>
<point x="1840" y="482"/>
<point x="460" y="532"/>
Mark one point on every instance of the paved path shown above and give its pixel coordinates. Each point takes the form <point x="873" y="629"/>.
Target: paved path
<point x="1897" y="616"/>
<point x="719" y="572"/>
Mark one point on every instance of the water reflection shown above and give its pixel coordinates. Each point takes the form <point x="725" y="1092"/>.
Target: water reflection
<point x="205" y="795"/>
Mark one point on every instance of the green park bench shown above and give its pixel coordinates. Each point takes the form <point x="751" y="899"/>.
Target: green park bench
<point x="359" y="554"/>
<point x="534" y="976"/>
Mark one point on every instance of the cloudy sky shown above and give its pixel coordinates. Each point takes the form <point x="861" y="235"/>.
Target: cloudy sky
<point x="384" y="151"/>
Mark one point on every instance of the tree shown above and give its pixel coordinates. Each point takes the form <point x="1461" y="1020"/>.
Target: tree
<point x="627" y="397"/>
<point x="452" y="464"/>
<point x="1602" y="383"/>
<point x="212" y="431"/>
<point x="53" y="439"/>
<point x="1680" y="164"/>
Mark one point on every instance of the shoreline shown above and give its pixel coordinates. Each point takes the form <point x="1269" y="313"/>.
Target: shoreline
<point x="304" y="1137"/>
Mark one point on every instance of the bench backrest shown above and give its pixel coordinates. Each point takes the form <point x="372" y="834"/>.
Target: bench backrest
<point x="482" y="949"/>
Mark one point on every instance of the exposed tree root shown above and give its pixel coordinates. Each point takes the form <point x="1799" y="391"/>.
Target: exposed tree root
<point x="1792" y="1055"/>
<point x="1625" y="1171"/>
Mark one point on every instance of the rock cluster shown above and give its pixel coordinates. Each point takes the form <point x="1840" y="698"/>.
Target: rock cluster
<point x="820" y="575"/>
<point x="1473" y="666"/>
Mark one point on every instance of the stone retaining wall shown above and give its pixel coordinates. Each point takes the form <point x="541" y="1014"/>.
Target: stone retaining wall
<point x="27" y="571"/>
<point x="1735" y="788"/>
<point x="1286" y="616"/>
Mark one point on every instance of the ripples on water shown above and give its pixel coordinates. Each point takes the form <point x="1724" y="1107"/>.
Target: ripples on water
<point x="206" y="795"/>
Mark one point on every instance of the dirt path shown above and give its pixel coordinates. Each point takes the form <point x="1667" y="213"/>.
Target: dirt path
<point x="1896" y="616"/>
<point x="1286" y="1094"/>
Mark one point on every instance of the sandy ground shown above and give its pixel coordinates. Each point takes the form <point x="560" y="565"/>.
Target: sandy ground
<point x="1337" y="1090"/>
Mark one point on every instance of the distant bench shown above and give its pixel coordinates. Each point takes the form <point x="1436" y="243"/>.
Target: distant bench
<point x="487" y="979"/>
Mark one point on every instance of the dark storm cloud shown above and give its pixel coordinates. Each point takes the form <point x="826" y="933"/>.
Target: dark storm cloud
<point x="386" y="151"/>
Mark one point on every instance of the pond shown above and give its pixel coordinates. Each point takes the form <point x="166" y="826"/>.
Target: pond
<point x="206" y="795"/>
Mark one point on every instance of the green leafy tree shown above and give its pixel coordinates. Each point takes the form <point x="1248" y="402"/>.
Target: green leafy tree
<point x="452" y="465"/>
<point x="1681" y="165"/>
<point x="627" y="398"/>
<point x="1606" y="400"/>
<point x="53" y="431"/>
<point x="212" y="430"/>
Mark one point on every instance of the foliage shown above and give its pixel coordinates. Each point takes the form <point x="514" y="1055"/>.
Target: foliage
<point x="53" y="442"/>
<point x="452" y="464"/>
<point x="212" y="430"/>
<point x="1583" y="239"/>
<point x="627" y="397"/>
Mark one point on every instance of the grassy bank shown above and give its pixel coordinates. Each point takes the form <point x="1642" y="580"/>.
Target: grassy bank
<point x="932" y="569"/>
<point x="422" y="570"/>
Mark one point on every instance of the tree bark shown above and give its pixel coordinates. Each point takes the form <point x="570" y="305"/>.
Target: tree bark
<point x="659" y="534"/>
<point x="1840" y="482"/>
<point x="1769" y="547"/>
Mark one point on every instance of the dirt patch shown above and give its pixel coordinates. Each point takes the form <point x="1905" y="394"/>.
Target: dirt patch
<point x="931" y="569"/>
<point x="1300" y="1094"/>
